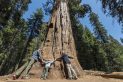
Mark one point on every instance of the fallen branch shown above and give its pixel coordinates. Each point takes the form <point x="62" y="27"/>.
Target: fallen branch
<point x="118" y="75"/>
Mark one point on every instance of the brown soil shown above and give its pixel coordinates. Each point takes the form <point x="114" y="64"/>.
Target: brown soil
<point x="86" y="78"/>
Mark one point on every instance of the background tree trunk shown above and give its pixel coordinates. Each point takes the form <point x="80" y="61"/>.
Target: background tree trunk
<point x="60" y="38"/>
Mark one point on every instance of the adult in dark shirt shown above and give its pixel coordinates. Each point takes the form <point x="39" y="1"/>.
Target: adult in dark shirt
<point x="66" y="60"/>
<point x="36" y="56"/>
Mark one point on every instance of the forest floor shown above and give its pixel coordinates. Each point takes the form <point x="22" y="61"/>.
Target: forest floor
<point x="86" y="78"/>
<point x="89" y="76"/>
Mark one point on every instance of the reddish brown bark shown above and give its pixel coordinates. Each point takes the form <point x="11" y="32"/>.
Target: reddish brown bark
<point x="60" y="38"/>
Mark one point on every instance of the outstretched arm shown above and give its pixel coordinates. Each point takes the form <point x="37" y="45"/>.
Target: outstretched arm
<point x="70" y="57"/>
<point x="40" y="57"/>
<point x="42" y="61"/>
<point x="54" y="60"/>
<point x="58" y="59"/>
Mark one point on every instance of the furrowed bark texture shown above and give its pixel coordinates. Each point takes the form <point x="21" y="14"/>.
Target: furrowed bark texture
<point x="60" y="38"/>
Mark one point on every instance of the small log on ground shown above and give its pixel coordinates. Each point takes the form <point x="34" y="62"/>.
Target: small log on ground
<point x="118" y="75"/>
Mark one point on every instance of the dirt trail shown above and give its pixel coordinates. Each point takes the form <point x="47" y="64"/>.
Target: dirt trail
<point x="35" y="73"/>
<point x="86" y="78"/>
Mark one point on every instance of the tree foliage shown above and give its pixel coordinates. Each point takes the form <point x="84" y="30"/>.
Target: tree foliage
<point x="113" y="8"/>
<point x="12" y="10"/>
<point x="17" y="36"/>
<point x="96" y="51"/>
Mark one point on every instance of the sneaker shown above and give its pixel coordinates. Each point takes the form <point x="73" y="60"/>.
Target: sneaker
<point x="76" y="78"/>
<point x="41" y="78"/>
<point x="70" y="78"/>
<point x="14" y="77"/>
<point x="25" y="77"/>
<point x="44" y="78"/>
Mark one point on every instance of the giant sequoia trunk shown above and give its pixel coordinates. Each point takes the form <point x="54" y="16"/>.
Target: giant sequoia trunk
<point x="60" y="38"/>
